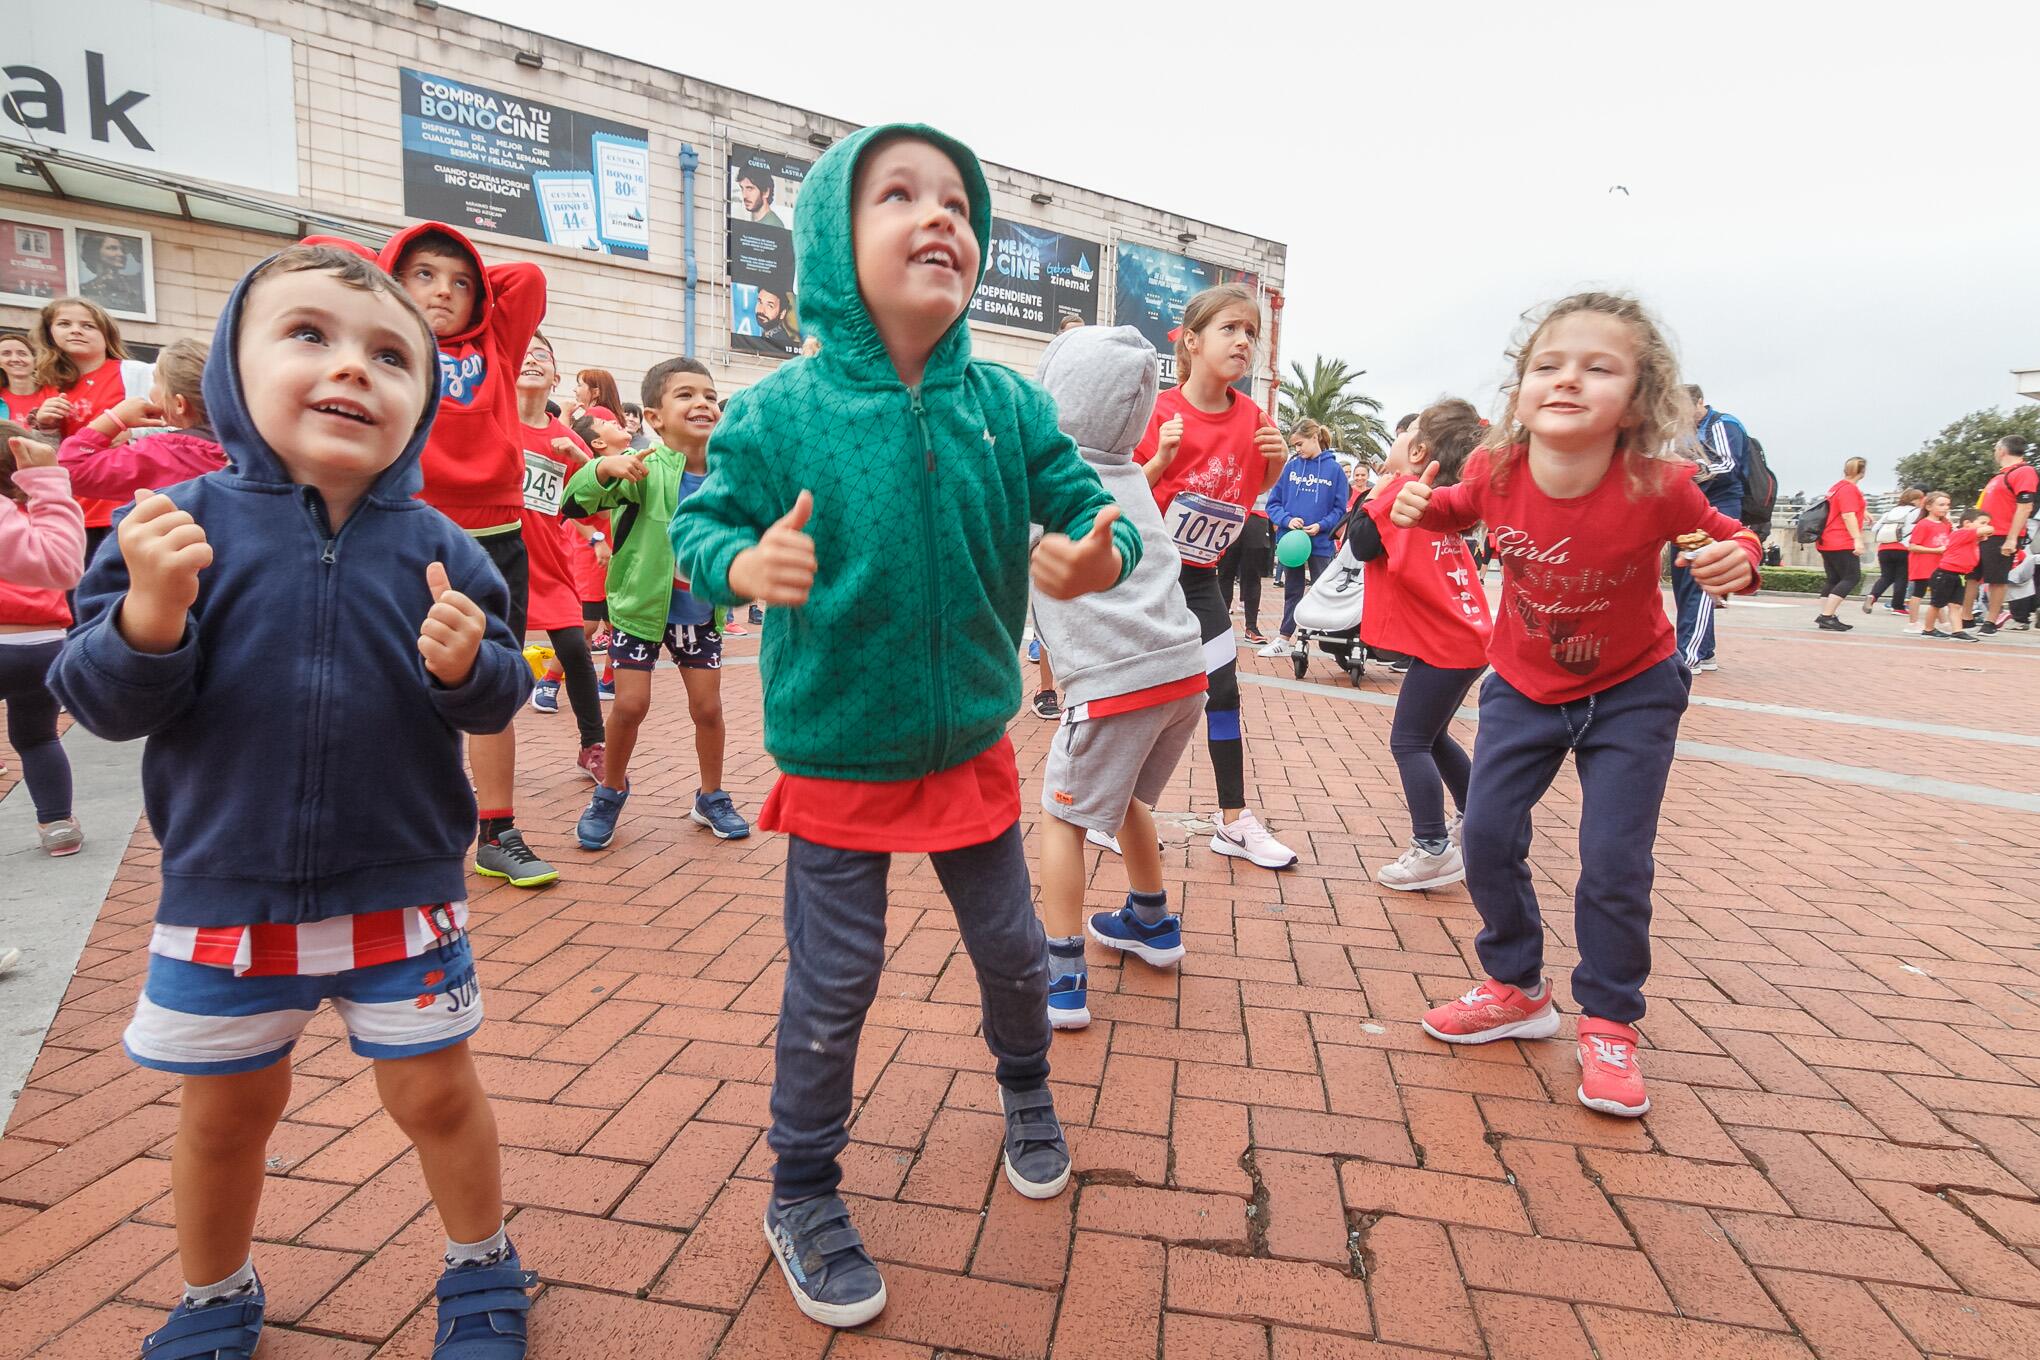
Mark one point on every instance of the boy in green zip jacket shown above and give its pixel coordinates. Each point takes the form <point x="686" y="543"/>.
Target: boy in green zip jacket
<point x="648" y="608"/>
<point x="879" y="493"/>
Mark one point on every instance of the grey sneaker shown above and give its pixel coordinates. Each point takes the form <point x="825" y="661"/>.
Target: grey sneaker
<point x="1037" y="1158"/>
<point x="832" y="1276"/>
<point x="61" y="837"/>
<point x="1418" y="869"/>
<point x="509" y="857"/>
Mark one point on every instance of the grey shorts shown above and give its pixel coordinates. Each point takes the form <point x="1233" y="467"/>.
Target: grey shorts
<point x="1100" y="765"/>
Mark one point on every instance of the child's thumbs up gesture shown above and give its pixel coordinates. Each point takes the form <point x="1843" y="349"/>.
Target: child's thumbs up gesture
<point x="781" y="569"/>
<point x="1066" y="567"/>
<point x="452" y="632"/>
<point x="1412" y="498"/>
<point x="165" y="549"/>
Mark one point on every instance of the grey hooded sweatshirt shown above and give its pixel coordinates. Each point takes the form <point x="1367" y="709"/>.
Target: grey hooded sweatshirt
<point x="1140" y="633"/>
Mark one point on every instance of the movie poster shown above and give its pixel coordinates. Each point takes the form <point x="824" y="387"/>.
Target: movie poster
<point x="1034" y="279"/>
<point x="477" y="157"/>
<point x="764" y="312"/>
<point x="1151" y="288"/>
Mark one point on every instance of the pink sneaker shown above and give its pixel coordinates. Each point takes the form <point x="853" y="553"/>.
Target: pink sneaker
<point x="1611" y="1080"/>
<point x="590" y="761"/>
<point x="1491" y="1011"/>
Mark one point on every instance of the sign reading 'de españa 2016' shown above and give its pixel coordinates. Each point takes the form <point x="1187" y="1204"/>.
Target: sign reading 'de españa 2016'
<point x="478" y="157"/>
<point x="1034" y="278"/>
<point x="1151" y="287"/>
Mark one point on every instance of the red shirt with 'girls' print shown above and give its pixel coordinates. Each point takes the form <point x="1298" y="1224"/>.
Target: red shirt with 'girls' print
<point x="1580" y="608"/>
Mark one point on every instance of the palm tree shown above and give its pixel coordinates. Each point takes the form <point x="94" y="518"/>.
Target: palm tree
<point x="1353" y="417"/>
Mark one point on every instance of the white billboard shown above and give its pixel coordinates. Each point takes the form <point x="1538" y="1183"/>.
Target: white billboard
<point x="152" y="86"/>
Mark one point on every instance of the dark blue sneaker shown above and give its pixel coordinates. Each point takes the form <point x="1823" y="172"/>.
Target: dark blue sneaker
<point x="605" y="686"/>
<point x="718" y="813"/>
<point x="1159" y="944"/>
<point x="597" y="827"/>
<point x="833" y="1278"/>
<point x="1068" y="1005"/>
<point x="225" y="1329"/>
<point x="1037" y="1159"/>
<point x="545" y="696"/>
<point x="481" y="1311"/>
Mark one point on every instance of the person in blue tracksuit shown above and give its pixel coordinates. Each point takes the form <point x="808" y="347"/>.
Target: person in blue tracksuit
<point x="1310" y="495"/>
<point x="1724" y="477"/>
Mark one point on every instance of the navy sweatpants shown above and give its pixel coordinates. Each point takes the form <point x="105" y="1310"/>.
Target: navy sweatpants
<point x="1622" y="741"/>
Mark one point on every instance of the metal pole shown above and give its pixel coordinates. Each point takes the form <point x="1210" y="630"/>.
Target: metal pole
<point x="689" y="160"/>
<point x="1274" y="349"/>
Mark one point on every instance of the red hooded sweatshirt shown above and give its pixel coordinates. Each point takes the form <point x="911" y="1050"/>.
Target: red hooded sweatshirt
<point x="474" y="459"/>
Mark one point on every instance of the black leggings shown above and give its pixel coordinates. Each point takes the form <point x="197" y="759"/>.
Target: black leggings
<point x="1892" y="566"/>
<point x="1222" y="700"/>
<point x="1246" y="562"/>
<point x="32" y="727"/>
<point x="1420" y="739"/>
<point x="570" y="645"/>
<point x="1844" y="570"/>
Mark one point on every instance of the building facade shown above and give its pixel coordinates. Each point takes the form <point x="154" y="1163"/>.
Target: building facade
<point x="152" y="150"/>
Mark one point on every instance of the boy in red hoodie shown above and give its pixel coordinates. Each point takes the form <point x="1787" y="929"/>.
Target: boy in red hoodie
<point x="484" y="317"/>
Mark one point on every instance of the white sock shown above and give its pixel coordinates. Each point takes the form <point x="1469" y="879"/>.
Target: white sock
<point x="241" y="1281"/>
<point x="1536" y="993"/>
<point x="488" y="1251"/>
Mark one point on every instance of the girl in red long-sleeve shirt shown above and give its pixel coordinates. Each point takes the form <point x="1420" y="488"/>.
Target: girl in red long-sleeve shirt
<point x="1582" y="487"/>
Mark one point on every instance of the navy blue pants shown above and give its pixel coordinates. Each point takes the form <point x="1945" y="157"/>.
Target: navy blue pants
<point x="1696" y="618"/>
<point x="1296" y="582"/>
<point x="835" y="947"/>
<point x="32" y="727"/>
<point x="1622" y="741"/>
<point x="1420" y="739"/>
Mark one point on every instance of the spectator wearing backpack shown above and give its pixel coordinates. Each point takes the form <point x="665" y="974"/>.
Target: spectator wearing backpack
<point x="1894" y="527"/>
<point x="1723" y="477"/>
<point x="1841" y="544"/>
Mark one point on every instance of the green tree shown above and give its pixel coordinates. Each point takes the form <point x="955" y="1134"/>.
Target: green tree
<point x="1326" y="395"/>
<point x="1959" y="460"/>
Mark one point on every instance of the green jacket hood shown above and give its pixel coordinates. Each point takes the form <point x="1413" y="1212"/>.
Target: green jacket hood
<point x="826" y="268"/>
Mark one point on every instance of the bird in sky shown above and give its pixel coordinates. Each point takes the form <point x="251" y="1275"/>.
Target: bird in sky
<point x="1623" y="187"/>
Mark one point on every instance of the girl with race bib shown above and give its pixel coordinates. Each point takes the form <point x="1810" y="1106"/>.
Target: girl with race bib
<point x="1208" y="452"/>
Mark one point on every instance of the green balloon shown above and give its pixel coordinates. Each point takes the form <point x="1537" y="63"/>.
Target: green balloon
<point x="1294" y="548"/>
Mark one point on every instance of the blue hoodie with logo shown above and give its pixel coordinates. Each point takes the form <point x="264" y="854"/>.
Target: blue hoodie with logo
<point x="1315" y="491"/>
<point x="301" y="762"/>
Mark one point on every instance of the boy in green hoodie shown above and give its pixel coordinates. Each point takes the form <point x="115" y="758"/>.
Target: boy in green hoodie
<point x="648" y="607"/>
<point x="880" y="493"/>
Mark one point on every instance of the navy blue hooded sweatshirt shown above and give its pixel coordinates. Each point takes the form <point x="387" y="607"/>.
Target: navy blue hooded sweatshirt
<point x="301" y="763"/>
<point x="1313" y="490"/>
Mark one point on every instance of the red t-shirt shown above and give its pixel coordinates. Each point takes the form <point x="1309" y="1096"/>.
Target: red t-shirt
<point x="21" y="410"/>
<point x="1928" y="533"/>
<point x="91" y="397"/>
<point x="1843" y="499"/>
<point x="555" y="600"/>
<point x="1424" y="595"/>
<point x="1216" y="458"/>
<point x="964" y="805"/>
<point x="1580" y="610"/>
<point x="2001" y="498"/>
<point x="1963" y="552"/>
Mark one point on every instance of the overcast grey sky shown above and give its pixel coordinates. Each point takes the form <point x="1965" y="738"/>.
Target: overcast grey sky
<point x="1835" y="208"/>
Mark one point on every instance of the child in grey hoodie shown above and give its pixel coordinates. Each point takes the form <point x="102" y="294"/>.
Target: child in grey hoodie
<point x="1132" y="671"/>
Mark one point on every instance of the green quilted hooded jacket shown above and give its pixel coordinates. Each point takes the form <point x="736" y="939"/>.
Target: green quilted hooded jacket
<point x="904" y="661"/>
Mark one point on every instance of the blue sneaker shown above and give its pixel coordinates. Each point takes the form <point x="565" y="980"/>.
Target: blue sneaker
<point x="606" y="687"/>
<point x="597" y="827"/>
<point x="718" y="813"/>
<point x="481" y="1311"/>
<point x="545" y="696"/>
<point x="1159" y="944"/>
<point x="833" y="1278"/>
<point x="225" y="1329"/>
<point x="1068" y="1006"/>
<point x="1034" y="649"/>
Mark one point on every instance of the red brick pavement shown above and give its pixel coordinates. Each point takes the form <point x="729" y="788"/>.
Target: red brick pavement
<point x="1273" y="1161"/>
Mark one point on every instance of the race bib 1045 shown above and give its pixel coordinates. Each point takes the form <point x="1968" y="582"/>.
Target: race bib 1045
<point x="1202" y="528"/>
<point x="545" y="480"/>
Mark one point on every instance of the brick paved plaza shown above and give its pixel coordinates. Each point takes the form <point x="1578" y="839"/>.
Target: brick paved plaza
<point x="1273" y="1161"/>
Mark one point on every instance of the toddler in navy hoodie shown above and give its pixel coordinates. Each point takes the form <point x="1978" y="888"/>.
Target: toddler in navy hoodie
<point x="303" y="644"/>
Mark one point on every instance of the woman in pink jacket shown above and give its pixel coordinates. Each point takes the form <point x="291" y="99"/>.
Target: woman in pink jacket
<point x="42" y="554"/>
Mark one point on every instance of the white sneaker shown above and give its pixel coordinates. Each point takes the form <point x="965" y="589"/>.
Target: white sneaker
<point x="1417" y="869"/>
<point x="1708" y="665"/>
<point x="1246" y="838"/>
<point x="1275" y="647"/>
<point x="8" y="958"/>
<point x="1912" y="628"/>
<point x="1103" y="841"/>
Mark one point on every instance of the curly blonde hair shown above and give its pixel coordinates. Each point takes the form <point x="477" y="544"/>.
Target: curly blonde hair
<point x="1658" y="429"/>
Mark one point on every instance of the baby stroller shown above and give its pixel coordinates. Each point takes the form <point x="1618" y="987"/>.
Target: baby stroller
<point x="1329" y="614"/>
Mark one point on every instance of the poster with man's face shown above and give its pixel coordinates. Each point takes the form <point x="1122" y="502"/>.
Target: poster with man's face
<point x="764" y="311"/>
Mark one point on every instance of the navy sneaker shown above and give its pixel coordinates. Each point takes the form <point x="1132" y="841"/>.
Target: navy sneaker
<point x="1159" y="944"/>
<point x="718" y="813"/>
<point x="225" y="1329"/>
<point x="833" y="1278"/>
<point x="1037" y="1159"/>
<point x="1068" y="1006"/>
<point x="605" y="685"/>
<point x="481" y="1311"/>
<point x="597" y="827"/>
<point x="757" y="616"/>
<point x="545" y="696"/>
